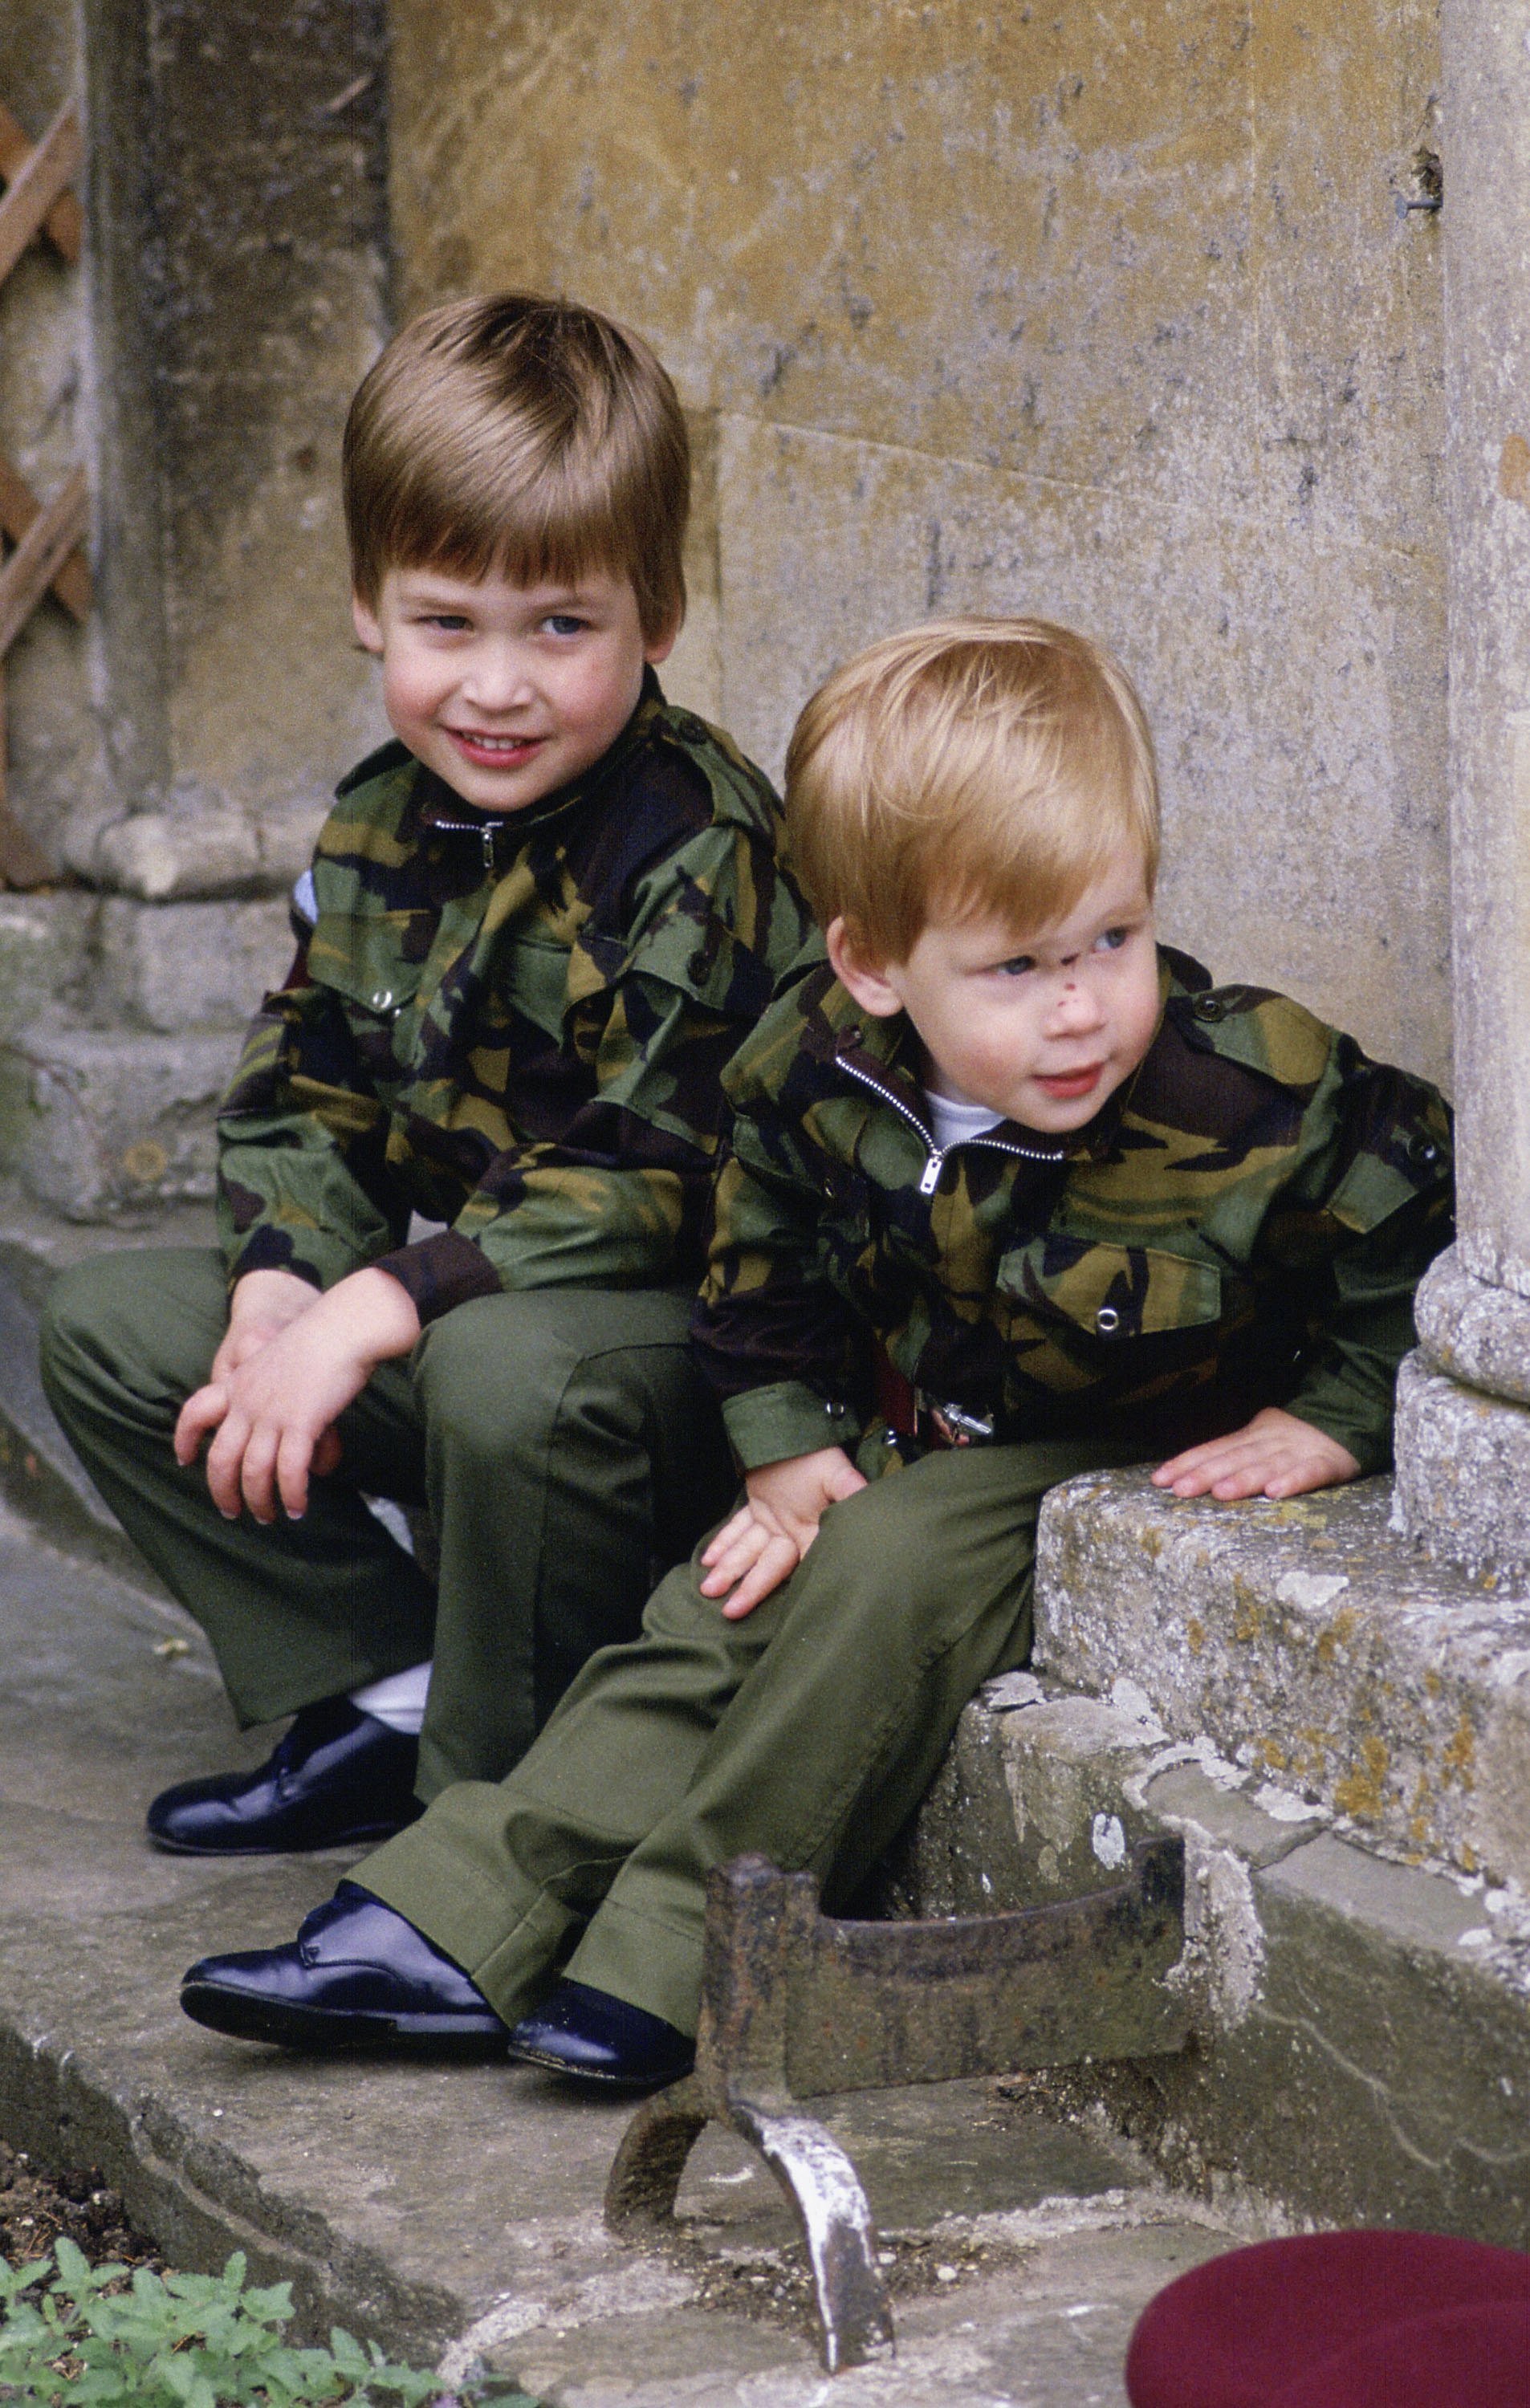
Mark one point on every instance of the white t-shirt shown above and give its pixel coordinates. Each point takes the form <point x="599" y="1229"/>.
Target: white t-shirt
<point x="950" y="1123"/>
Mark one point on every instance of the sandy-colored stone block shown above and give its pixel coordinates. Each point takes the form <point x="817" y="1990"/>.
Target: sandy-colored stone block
<point x="1472" y="1330"/>
<point x="182" y="965"/>
<point x="160" y="858"/>
<point x="42" y="954"/>
<point x="96" y="1123"/>
<point x="1308" y="1641"/>
<point x="1463" y="1472"/>
<point x="1259" y="743"/>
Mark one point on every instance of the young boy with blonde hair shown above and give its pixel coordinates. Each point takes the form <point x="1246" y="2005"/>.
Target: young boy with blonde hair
<point x="1014" y="1193"/>
<point x="537" y="925"/>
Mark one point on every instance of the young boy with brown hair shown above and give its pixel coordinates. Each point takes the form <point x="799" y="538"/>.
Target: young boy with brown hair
<point x="537" y="925"/>
<point x="1014" y="1194"/>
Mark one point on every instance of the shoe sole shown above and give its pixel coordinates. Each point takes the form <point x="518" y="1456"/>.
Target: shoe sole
<point x="317" y="2031"/>
<point x="371" y="1837"/>
<point x="633" y="2082"/>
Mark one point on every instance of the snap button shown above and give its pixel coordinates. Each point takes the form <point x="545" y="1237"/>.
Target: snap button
<point x="1211" y="1007"/>
<point x="846" y="1038"/>
<point x="697" y="967"/>
<point x="834" y="1409"/>
<point x="1108" y="1321"/>
<point x="1423" y="1149"/>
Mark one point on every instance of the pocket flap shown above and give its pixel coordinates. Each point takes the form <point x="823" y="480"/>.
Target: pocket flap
<point x="367" y="957"/>
<point x="1112" y="1291"/>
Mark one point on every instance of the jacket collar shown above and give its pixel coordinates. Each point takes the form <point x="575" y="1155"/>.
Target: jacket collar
<point x="885" y="1054"/>
<point x="440" y="807"/>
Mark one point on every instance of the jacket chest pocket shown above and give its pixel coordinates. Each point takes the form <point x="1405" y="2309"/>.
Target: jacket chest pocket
<point x="1107" y="1293"/>
<point x="366" y="959"/>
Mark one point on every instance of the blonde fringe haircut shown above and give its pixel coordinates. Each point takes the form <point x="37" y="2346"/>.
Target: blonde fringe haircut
<point x="968" y="766"/>
<point x="530" y="438"/>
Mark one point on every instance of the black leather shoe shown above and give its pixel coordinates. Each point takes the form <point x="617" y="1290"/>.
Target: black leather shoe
<point x="596" y="2038"/>
<point x="357" y="1976"/>
<point x="339" y="1777"/>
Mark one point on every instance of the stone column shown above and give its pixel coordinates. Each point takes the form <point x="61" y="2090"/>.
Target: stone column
<point x="1464" y="1400"/>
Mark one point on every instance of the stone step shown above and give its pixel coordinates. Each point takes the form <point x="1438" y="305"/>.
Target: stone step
<point x="1361" y="2025"/>
<point x="180" y="967"/>
<point x="44" y="948"/>
<point x="96" y="1124"/>
<point x="106" y="961"/>
<point x="454" y="2211"/>
<point x="1310" y="1642"/>
<point x="39" y="1472"/>
<point x="119" y="1021"/>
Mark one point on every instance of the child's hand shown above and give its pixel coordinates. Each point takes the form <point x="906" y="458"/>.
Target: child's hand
<point x="1273" y="1456"/>
<point x="767" y="1538"/>
<point x="262" y="1305"/>
<point x="273" y="1413"/>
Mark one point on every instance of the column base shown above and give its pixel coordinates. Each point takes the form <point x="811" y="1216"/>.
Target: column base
<point x="1463" y="1441"/>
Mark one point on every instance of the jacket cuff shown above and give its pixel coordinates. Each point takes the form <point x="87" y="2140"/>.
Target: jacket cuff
<point x="1340" y="1415"/>
<point x="768" y="1425"/>
<point x="268" y="1249"/>
<point x="440" y="1273"/>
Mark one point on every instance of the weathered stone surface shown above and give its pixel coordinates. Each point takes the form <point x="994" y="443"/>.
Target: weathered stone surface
<point x="199" y="365"/>
<point x="54" y="737"/>
<point x="900" y="537"/>
<point x="43" y="942"/>
<point x="456" y="2209"/>
<point x="1261" y="1830"/>
<point x="185" y="965"/>
<point x="95" y="1122"/>
<point x="1106" y="311"/>
<point x="1026" y="1807"/>
<point x="1474" y="1331"/>
<point x="160" y="859"/>
<point x="1486" y="230"/>
<point x="1308" y="1639"/>
<point x="1463" y="1470"/>
<point x="1363" y="2043"/>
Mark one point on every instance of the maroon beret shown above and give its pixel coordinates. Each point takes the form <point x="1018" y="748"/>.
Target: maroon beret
<point x="1341" y="2320"/>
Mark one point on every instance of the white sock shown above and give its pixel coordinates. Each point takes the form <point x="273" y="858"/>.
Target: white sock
<point x="397" y="1699"/>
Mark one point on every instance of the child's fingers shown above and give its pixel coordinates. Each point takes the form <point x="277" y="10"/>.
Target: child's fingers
<point x="294" y="1456"/>
<point x="1250" y="1479"/>
<point x="732" y="1530"/>
<point x="778" y="1563"/>
<point x="1193" y="1461"/>
<point x="199" y="1415"/>
<point x="224" y="1457"/>
<point x="257" y="1472"/>
<point x="1209" y="1468"/>
<point x="736" y="1560"/>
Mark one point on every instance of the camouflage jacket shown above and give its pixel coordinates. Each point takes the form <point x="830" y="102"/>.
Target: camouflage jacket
<point x="1243" y="1224"/>
<point x="517" y="1027"/>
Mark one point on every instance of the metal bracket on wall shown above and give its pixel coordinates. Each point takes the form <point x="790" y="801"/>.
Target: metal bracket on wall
<point x="797" y="2005"/>
<point x="46" y="537"/>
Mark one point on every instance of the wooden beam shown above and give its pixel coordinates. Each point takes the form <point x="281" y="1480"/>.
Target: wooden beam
<point x="19" y="507"/>
<point x="38" y="557"/>
<point x="64" y="224"/>
<point x="51" y="166"/>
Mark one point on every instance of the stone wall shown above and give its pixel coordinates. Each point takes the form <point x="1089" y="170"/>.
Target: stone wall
<point x="178" y="754"/>
<point x="239" y="247"/>
<point x="199" y="363"/>
<point x="45" y="418"/>
<point x="1112" y="312"/>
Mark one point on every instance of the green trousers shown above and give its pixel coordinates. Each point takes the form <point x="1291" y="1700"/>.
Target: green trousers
<point x="562" y="1439"/>
<point x="809" y="1731"/>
